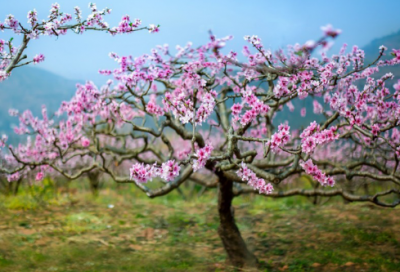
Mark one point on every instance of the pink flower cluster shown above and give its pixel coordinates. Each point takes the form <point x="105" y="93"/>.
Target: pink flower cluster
<point x="282" y="87"/>
<point x="312" y="136"/>
<point x="280" y="138"/>
<point x="318" y="109"/>
<point x="330" y="31"/>
<point x="395" y="86"/>
<point x="203" y="154"/>
<point x="206" y="107"/>
<point x="32" y="17"/>
<point x="375" y="129"/>
<point x="11" y="22"/>
<point x="257" y="183"/>
<point x="153" y="108"/>
<point x="126" y="25"/>
<point x="85" y="142"/>
<point x="154" y="28"/>
<point x="105" y="72"/>
<point x="142" y="173"/>
<point x="180" y="101"/>
<point x="257" y="107"/>
<point x="38" y="58"/>
<point x="39" y="176"/>
<point x="258" y="58"/>
<point x="169" y="170"/>
<point x="14" y="177"/>
<point x="255" y="40"/>
<point x="236" y="108"/>
<point x="317" y="174"/>
<point x="3" y="75"/>
<point x="96" y="17"/>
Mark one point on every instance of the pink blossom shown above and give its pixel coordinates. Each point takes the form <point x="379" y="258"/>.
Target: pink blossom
<point x="39" y="176"/>
<point x="280" y="138"/>
<point x="303" y="112"/>
<point x="267" y="189"/>
<point x="13" y="177"/>
<point x="32" y="17"/>
<point x="236" y="109"/>
<point x="330" y="31"/>
<point x="318" y="109"/>
<point x="38" y="58"/>
<point x="290" y="106"/>
<point x="142" y="173"/>
<point x="170" y="170"/>
<point x="257" y="183"/>
<point x="312" y="136"/>
<point x="375" y="130"/>
<point x="203" y="154"/>
<point x="317" y="174"/>
<point x="154" y="28"/>
<point x="11" y="21"/>
<point x="308" y="145"/>
<point x="85" y="142"/>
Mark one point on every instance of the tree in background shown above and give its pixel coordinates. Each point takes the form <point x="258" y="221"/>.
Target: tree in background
<point x="203" y="115"/>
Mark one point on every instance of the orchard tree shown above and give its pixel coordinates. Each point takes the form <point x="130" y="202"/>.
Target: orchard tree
<point x="203" y="115"/>
<point x="57" y="24"/>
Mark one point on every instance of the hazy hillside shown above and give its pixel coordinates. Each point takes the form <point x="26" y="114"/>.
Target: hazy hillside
<point x="391" y="41"/>
<point x="30" y="88"/>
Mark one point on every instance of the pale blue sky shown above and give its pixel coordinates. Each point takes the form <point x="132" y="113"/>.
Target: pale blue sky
<point x="277" y="22"/>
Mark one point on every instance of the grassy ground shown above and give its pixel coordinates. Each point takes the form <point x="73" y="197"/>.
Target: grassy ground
<point x="122" y="230"/>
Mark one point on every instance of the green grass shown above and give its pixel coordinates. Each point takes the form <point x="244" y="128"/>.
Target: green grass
<point x="122" y="230"/>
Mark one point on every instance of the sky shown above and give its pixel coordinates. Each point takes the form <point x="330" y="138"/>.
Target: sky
<point x="277" y="23"/>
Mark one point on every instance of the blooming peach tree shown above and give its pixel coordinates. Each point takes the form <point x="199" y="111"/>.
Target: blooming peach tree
<point x="203" y="115"/>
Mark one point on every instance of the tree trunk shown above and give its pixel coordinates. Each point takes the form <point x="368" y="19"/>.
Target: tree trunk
<point x="94" y="183"/>
<point x="16" y="187"/>
<point x="10" y="188"/>
<point x="238" y="254"/>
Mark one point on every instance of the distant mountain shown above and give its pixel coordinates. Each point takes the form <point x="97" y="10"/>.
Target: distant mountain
<point x="371" y="50"/>
<point x="30" y="88"/>
<point x="390" y="41"/>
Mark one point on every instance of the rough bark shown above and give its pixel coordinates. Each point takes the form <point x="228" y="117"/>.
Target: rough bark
<point x="238" y="254"/>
